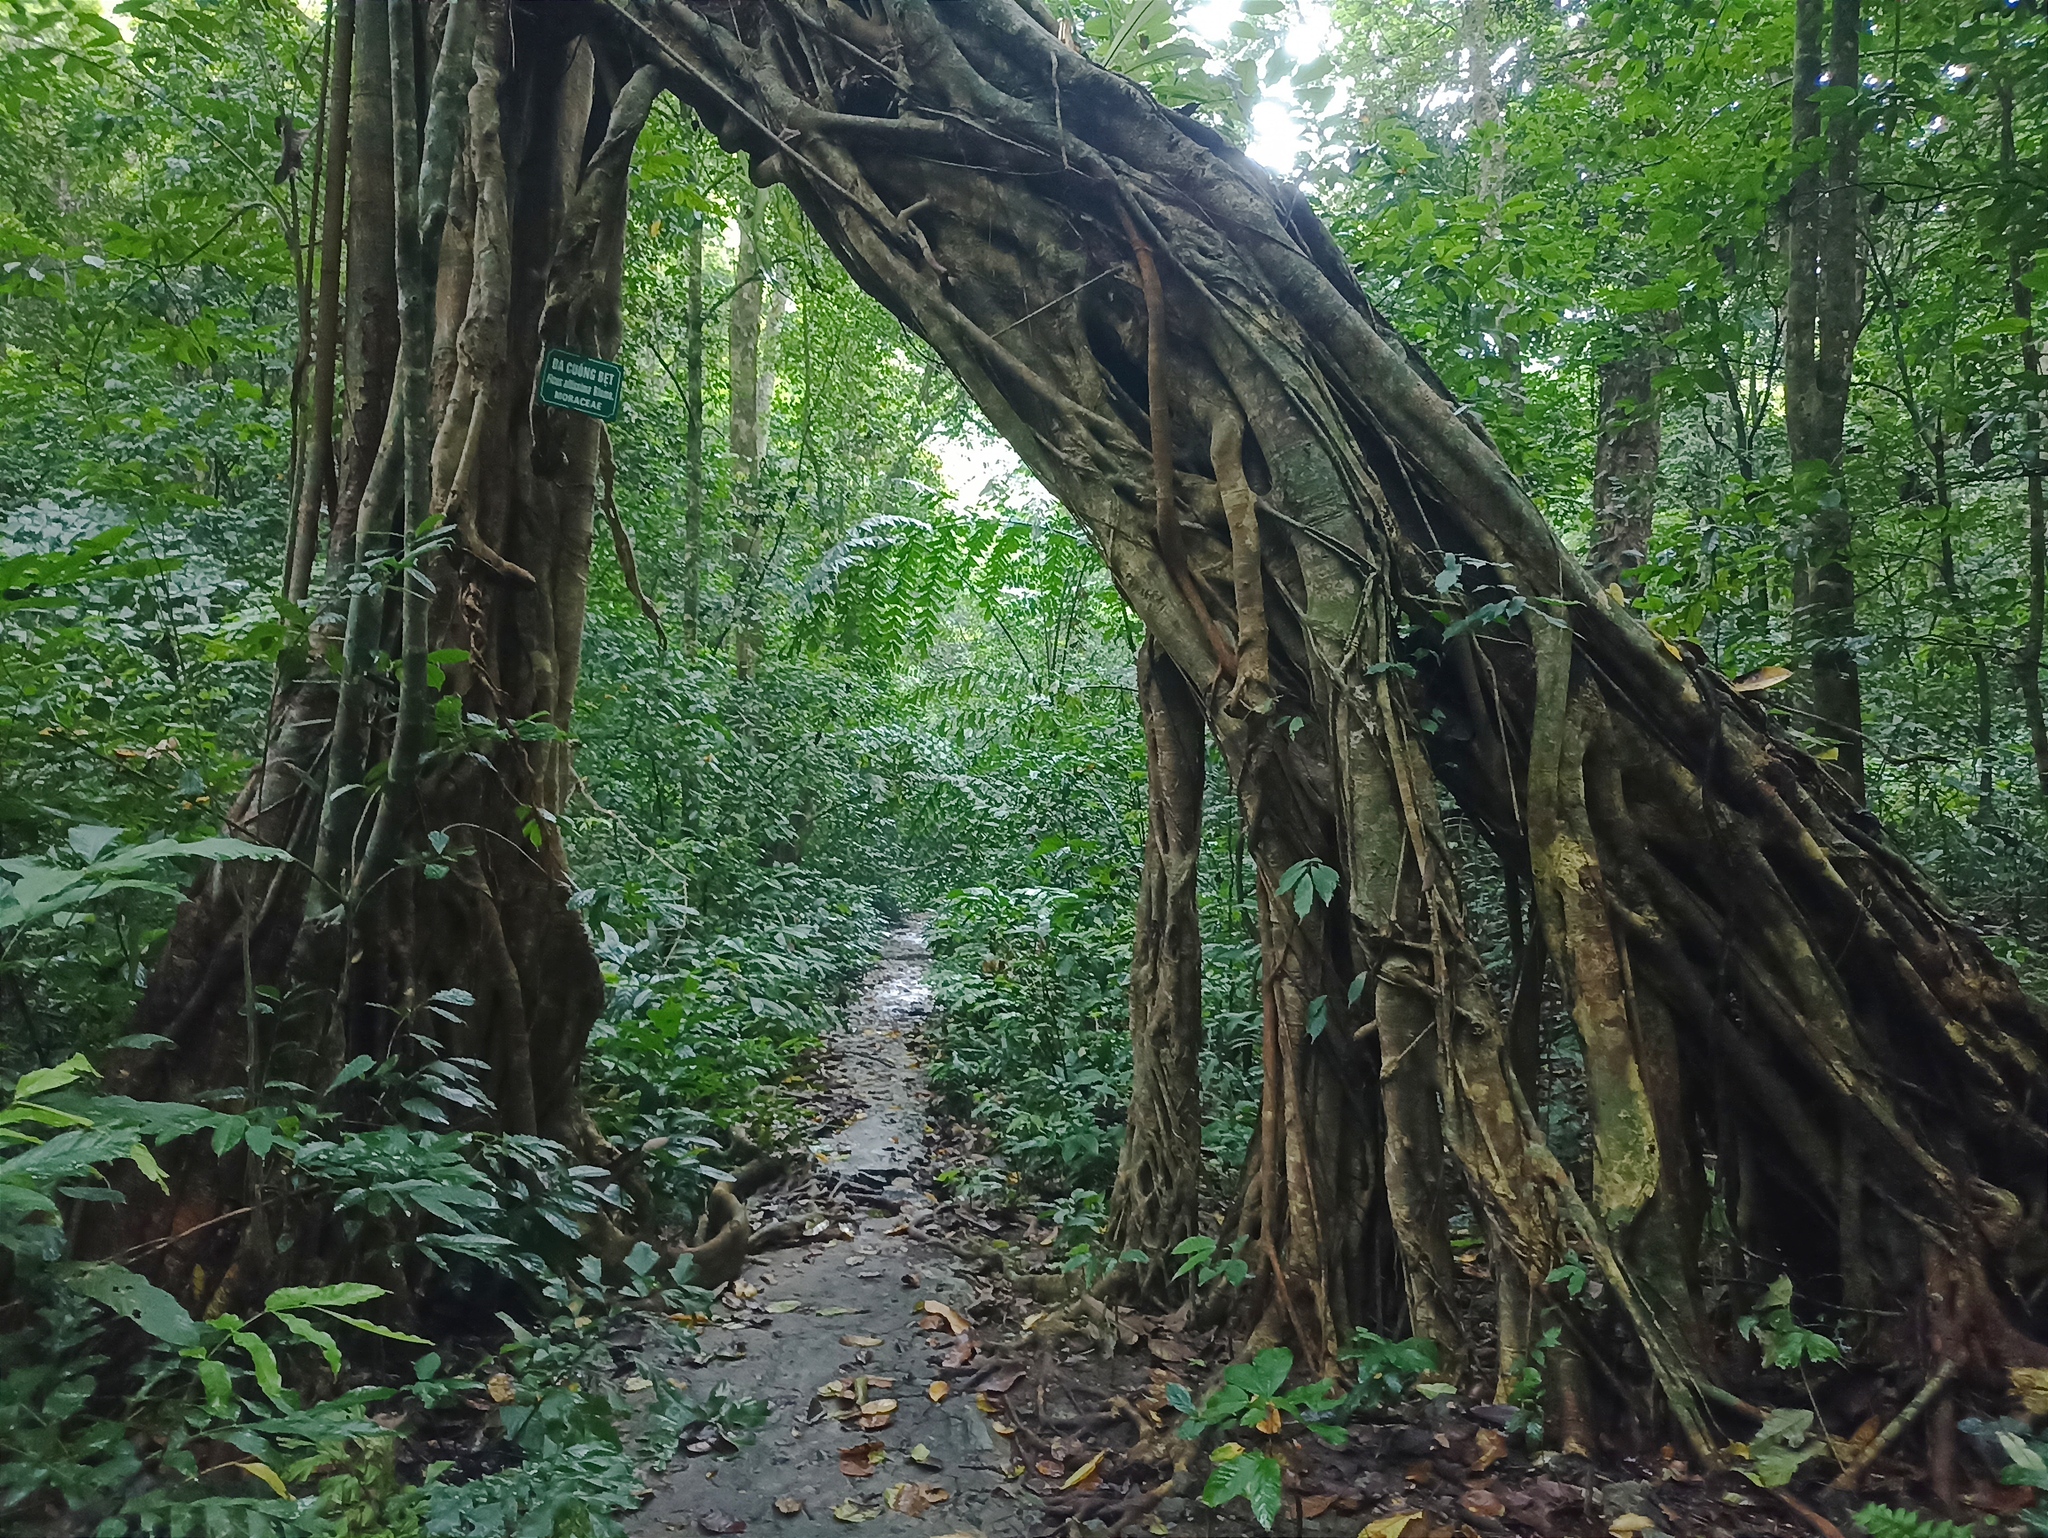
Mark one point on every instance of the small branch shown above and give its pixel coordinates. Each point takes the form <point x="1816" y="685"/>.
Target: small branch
<point x="622" y="542"/>
<point x="1901" y="1423"/>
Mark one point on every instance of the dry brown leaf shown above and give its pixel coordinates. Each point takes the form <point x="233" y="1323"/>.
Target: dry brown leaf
<point x="1395" y="1524"/>
<point x="862" y="1459"/>
<point x="880" y="1407"/>
<point x="789" y="1505"/>
<point x="1767" y="677"/>
<point x="2031" y="1385"/>
<point x="913" y="1499"/>
<point x="938" y="1390"/>
<point x="719" y="1525"/>
<point x="1419" y="1474"/>
<point x="1084" y="1473"/>
<point x="1169" y="1350"/>
<point x="962" y="1352"/>
<point x="1002" y="1382"/>
<point x="1269" y="1423"/>
<point x="876" y="1421"/>
<point x="861" y="1342"/>
<point x="1050" y="1468"/>
<point x="1482" y="1502"/>
<point x="499" y="1386"/>
<point x="1491" y="1446"/>
<point x="1313" y="1506"/>
<point x="954" y="1322"/>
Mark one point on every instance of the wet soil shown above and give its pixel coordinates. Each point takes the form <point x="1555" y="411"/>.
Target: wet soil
<point x="849" y="1306"/>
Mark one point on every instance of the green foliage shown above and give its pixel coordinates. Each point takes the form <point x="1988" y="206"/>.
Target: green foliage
<point x="1254" y="1395"/>
<point x="1780" y="1447"/>
<point x="1785" y="1342"/>
<point x="1890" y="1522"/>
<point x="1201" y="1260"/>
<point x="1385" y="1369"/>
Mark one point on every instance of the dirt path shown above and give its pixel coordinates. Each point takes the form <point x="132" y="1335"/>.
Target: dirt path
<point x="848" y="1306"/>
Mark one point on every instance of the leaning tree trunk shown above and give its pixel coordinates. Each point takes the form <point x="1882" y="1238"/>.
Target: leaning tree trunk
<point x="1154" y="1203"/>
<point x="420" y="807"/>
<point x="1164" y="333"/>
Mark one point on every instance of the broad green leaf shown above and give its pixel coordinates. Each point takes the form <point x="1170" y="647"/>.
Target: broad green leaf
<point x="139" y="1301"/>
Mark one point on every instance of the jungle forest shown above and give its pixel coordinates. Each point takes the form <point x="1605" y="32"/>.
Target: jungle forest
<point x="1023" y="767"/>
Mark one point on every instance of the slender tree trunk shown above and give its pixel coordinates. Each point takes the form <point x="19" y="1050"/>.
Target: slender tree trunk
<point x="1626" y="456"/>
<point x="693" y="441"/>
<point x="1823" y="315"/>
<point x="1755" y="928"/>
<point x="1154" y="1203"/>
<point x="2027" y="665"/>
<point x="751" y="376"/>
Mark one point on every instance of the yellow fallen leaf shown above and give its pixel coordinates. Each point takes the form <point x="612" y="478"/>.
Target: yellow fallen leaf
<point x="2031" y="1384"/>
<point x="499" y="1386"/>
<point x="1084" y="1472"/>
<point x="637" y="1385"/>
<point x="784" y="1306"/>
<point x="1630" y="1522"/>
<point x="264" y="1472"/>
<point x="1396" y="1524"/>
<point x="938" y="1391"/>
<point x="861" y="1342"/>
<point x="880" y="1407"/>
<point x="745" y="1290"/>
<point x="1269" y="1423"/>
<point x="1001" y="1430"/>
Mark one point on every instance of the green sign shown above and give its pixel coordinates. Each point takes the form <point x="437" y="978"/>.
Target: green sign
<point x="576" y="383"/>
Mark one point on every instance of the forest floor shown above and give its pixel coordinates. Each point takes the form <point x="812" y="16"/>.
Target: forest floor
<point x="874" y="1334"/>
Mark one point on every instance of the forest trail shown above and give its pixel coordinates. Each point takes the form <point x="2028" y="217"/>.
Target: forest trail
<point x="849" y="1306"/>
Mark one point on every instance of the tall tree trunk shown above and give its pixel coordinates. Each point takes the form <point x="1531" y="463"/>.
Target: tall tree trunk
<point x="498" y="218"/>
<point x="1149" y="283"/>
<point x="2027" y="665"/>
<point x="1823" y="316"/>
<point x="1154" y="1204"/>
<point x="752" y="322"/>
<point x="1626" y="456"/>
<point x="693" y="441"/>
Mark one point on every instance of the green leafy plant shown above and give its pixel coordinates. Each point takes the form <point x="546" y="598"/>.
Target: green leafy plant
<point x="1890" y="1522"/>
<point x="1785" y="1342"/>
<point x="1254" y="1396"/>
<point x="1201" y="1260"/>
<point x="1779" y="1448"/>
<point x="1386" y="1370"/>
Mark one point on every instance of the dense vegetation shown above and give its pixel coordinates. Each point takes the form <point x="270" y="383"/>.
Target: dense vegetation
<point x="861" y="666"/>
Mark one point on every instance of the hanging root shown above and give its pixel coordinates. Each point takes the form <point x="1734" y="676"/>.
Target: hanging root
<point x="622" y="542"/>
<point x="1254" y="688"/>
<point x="1166" y="518"/>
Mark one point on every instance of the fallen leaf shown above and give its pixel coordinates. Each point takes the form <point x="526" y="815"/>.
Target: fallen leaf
<point x="1482" y="1502"/>
<point x="1630" y="1522"/>
<point x="789" y="1505"/>
<point x="1419" y="1474"/>
<point x="986" y="1405"/>
<point x="784" y="1306"/>
<point x="954" y="1322"/>
<point x="880" y="1407"/>
<point x="913" y="1499"/>
<point x="862" y="1459"/>
<point x="1766" y="677"/>
<point x="1084" y="1473"/>
<point x="851" y="1510"/>
<point x="499" y="1386"/>
<point x="1001" y="1430"/>
<point x="922" y="1454"/>
<point x="962" y="1352"/>
<point x="1269" y="1423"/>
<point x="2031" y="1385"/>
<point x="745" y="1290"/>
<point x="937" y="1390"/>
<point x="877" y="1420"/>
<point x="834" y="1313"/>
<point x="718" y="1523"/>
<point x="1395" y="1524"/>
<point x="838" y="1388"/>
<point x="1491" y="1446"/>
<point x="1050" y="1468"/>
<point x="1172" y="1351"/>
<point x="637" y="1385"/>
<point x="1313" y="1506"/>
<point x="1031" y="1319"/>
<point x="861" y="1342"/>
<point x="1002" y="1382"/>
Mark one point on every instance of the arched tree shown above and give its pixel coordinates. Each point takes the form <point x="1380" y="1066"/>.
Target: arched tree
<point x="1761" y="985"/>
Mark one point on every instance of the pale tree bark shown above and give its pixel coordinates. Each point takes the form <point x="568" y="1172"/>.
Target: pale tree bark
<point x="2027" y="664"/>
<point x="693" y="440"/>
<point x="1145" y="282"/>
<point x="1626" y="456"/>
<point x="1154" y="1203"/>
<point x="1823" y="317"/>
<point x="753" y="323"/>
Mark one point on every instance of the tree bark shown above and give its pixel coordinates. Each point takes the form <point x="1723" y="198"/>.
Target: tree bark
<point x="1790" y="948"/>
<point x="1154" y="1203"/>
<point x="693" y="441"/>
<point x="1823" y="316"/>
<point x="1626" y="458"/>
<point x="499" y="219"/>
